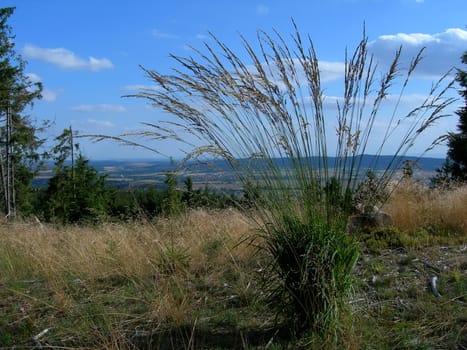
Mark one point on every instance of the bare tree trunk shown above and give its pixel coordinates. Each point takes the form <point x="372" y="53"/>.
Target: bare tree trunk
<point x="3" y="176"/>
<point x="7" y="168"/>
<point x="72" y="154"/>
<point x="72" y="146"/>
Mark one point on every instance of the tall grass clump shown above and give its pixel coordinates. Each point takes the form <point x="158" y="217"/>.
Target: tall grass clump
<point x="263" y="111"/>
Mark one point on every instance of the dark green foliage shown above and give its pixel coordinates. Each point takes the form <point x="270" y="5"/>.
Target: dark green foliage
<point x="172" y="203"/>
<point x="16" y="89"/>
<point x="121" y="204"/>
<point x="24" y="191"/>
<point x="19" y="141"/>
<point x="313" y="262"/>
<point x="188" y="194"/>
<point x="457" y="144"/>
<point x="148" y="201"/>
<point x="213" y="199"/>
<point x="76" y="195"/>
<point x="65" y="148"/>
<point x="443" y="177"/>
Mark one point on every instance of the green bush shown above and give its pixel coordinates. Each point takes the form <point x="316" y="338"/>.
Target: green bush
<point x="76" y="194"/>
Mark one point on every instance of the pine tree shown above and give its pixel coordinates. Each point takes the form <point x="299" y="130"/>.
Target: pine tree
<point x="457" y="144"/>
<point x="76" y="193"/>
<point x="18" y="136"/>
<point x="172" y="202"/>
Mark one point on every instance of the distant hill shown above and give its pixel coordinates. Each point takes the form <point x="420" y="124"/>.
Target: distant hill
<point x="215" y="173"/>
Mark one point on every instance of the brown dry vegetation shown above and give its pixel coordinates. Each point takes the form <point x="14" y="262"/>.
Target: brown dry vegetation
<point x="132" y="250"/>
<point x="414" y="206"/>
<point x="121" y="278"/>
<point x="194" y="279"/>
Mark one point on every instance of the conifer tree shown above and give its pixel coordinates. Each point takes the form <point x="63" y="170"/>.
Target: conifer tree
<point x="76" y="193"/>
<point x="18" y="136"/>
<point x="457" y="152"/>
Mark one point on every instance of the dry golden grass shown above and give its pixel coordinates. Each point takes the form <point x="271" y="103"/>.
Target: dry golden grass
<point x="96" y="285"/>
<point x="124" y="274"/>
<point x="413" y="206"/>
<point x="124" y="249"/>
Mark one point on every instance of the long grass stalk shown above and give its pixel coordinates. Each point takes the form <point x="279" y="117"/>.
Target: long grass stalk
<point x="265" y="115"/>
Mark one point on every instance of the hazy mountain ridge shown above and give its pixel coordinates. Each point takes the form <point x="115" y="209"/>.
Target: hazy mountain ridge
<point x="144" y="172"/>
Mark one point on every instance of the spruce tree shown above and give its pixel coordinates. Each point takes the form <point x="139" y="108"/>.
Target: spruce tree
<point x="18" y="136"/>
<point x="76" y="193"/>
<point x="457" y="144"/>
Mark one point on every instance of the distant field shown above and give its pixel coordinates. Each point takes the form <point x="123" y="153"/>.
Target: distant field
<point x="215" y="174"/>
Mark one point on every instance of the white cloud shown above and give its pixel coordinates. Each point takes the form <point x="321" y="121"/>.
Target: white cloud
<point x="163" y="35"/>
<point x="442" y="50"/>
<point x="410" y="39"/>
<point x="330" y="71"/>
<point x="201" y="37"/>
<point x="262" y="9"/>
<point x="104" y="123"/>
<point x="139" y="87"/>
<point x="409" y="100"/>
<point x="66" y="59"/>
<point x="49" y="95"/>
<point x="99" y="108"/>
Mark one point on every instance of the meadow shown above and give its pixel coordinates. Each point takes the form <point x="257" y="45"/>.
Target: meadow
<point x="196" y="280"/>
<point x="279" y="270"/>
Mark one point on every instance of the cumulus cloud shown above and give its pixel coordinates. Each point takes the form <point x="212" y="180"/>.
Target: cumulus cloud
<point x="99" y="108"/>
<point x="66" y="59"/>
<point x="163" y="35"/>
<point x="442" y="50"/>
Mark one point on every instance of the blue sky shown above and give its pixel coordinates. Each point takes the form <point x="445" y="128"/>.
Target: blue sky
<point x="87" y="53"/>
